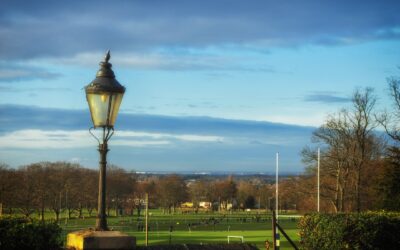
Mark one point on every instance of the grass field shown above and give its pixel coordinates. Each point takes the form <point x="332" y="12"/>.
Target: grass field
<point x="196" y="228"/>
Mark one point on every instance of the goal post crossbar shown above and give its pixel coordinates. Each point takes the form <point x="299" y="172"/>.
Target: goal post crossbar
<point x="239" y="237"/>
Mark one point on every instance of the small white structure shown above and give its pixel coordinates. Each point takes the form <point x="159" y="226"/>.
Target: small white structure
<point x="205" y="204"/>
<point x="239" y="237"/>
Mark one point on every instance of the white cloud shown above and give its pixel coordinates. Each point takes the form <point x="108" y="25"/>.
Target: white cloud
<point x="184" y="137"/>
<point x="142" y="61"/>
<point x="190" y="60"/>
<point x="45" y="139"/>
<point x="37" y="139"/>
<point x="13" y="73"/>
<point x="9" y="71"/>
<point x="132" y="143"/>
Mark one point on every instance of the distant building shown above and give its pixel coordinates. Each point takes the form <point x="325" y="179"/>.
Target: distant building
<point x="205" y="204"/>
<point x="187" y="205"/>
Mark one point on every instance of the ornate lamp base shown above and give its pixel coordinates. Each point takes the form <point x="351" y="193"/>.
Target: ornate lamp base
<point x="94" y="240"/>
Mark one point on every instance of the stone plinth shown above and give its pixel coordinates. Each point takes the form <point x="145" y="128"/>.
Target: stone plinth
<point x="93" y="240"/>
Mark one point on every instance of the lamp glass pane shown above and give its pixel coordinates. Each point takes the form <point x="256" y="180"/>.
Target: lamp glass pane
<point x="98" y="105"/>
<point x="101" y="108"/>
<point x="116" y="102"/>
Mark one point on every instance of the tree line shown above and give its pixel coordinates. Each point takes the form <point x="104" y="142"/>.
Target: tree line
<point x="72" y="190"/>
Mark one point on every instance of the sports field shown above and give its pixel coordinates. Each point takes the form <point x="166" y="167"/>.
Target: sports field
<point x="197" y="228"/>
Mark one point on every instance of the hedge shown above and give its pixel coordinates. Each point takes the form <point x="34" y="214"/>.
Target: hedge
<point x="371" y="230"/>
<point x="20" y="233"/>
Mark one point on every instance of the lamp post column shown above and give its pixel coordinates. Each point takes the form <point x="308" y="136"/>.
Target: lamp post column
<point x="101" y="221"/>
<point x="104" y="95"/>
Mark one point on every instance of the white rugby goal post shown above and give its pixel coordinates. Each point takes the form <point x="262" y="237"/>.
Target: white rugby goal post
<point x="237" y="237"/>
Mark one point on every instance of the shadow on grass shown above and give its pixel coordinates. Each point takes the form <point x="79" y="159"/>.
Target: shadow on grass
<point x="198" y="246"/>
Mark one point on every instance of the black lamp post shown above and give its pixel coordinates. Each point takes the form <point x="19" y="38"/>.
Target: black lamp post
<point x="104" y="95"/>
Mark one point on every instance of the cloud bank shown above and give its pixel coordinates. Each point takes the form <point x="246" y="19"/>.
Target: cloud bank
<point x="61" y="139"/>
<point x="32" y="29"/>
<point x="150" y="142"/>
<point x="326" y="97"/>
<point x="19" y="117"/>
<point x="10" y="72"/>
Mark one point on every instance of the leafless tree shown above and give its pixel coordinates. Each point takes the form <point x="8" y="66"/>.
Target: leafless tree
<point x="245" y="189"/>
<point x="8" y="186"/>
<point x="224" y="191"/>
<point x="200" y="191"/>
<point x="349" y="144"/>
<point x="172" y="190"/>
<point x="120" y="184"/>
<point x="391" y="120"/>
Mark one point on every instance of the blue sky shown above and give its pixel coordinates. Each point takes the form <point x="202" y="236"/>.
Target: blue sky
<point x="211" y="85"/>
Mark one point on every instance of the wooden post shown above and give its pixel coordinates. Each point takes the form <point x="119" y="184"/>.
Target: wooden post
<point x="170" y="234"/>
<point x="147" y="219"/>
<point x="318" y="166"/>
<point x="274" y="231"/>
<point x="287" y="237"/>
<point x="277" y="186"/>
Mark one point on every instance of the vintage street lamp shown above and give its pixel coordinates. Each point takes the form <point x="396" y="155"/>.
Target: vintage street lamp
<point x="104" y="95"/>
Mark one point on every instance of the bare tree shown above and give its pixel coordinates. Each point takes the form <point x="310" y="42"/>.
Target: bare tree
<point x="172" y="190"/>
<point x="334" y="136"/>
<point x="391" y="120"/>
<point x="41" y="173"/>
<point x="362" y="121"/>
<point x="120" y="185"/>
<point x="26" y="195"/>
<point x="245" y="190"/>
<point x="8" y="187"/>
<point x="349" y="144"/>
<point x="225" y="191"/>
<point x="56" y="183"/>
<point x="137" y="198"/>
<point x="389" y="185"/>
<point x="200" y="191"/>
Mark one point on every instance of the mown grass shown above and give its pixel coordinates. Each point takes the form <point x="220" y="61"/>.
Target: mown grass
<point x="212" y="227"/>
<point x="193" y="228"/>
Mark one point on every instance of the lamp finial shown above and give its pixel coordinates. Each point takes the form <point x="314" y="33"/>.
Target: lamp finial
<point x="107" y="56"/>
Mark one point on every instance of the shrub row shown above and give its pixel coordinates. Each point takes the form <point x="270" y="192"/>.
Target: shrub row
<point x="371" y="230"/>
<point x="20" y="233"/>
